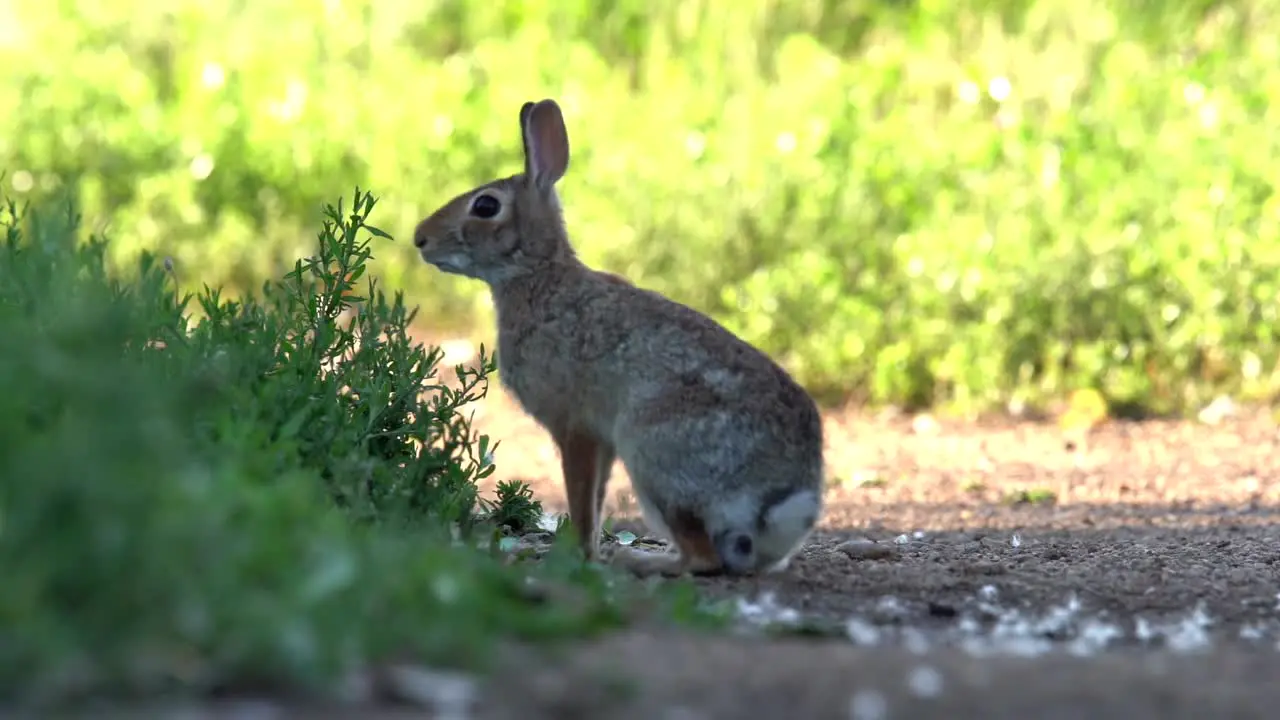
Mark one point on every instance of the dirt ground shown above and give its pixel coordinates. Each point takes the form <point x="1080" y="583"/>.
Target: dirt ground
<point x="944" y="583"/>
<point x="1148" y="589"/>
<point x="969" y="570"/>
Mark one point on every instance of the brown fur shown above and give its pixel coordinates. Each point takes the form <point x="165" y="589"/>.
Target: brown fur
<point x="718" y="439"/>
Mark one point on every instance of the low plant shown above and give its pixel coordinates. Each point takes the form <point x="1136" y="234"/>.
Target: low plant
<point x="262" y="495"/>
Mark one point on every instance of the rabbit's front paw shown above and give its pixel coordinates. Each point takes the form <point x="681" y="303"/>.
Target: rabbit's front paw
<point x="644" y="563"/>
<point x="671" y="563"/>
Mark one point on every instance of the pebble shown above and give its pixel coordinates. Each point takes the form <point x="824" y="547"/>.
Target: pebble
<point x="984" y="567"/>
<point x="860" y="549"/>
<point x="925" y="425"/>
<point x="449" y="694"/>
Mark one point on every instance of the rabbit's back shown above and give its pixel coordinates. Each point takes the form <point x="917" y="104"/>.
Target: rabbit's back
<point x="583" y="349"/>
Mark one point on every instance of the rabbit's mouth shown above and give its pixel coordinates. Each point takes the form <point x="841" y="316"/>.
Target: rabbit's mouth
<point x="455" y="264"/>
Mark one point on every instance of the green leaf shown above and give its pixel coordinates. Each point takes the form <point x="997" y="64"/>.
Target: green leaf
<point x="375" y="231"/>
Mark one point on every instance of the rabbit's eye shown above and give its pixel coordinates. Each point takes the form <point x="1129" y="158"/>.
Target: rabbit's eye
<point x="485" y="206"/>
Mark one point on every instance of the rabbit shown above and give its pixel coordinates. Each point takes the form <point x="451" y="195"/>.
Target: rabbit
<point x="724" y="448"/>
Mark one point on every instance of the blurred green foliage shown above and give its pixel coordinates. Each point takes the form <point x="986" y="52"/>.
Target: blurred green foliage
<point x="920" y="202"/>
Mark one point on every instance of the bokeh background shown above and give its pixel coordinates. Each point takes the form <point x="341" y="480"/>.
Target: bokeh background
<point x="967" y="204"/>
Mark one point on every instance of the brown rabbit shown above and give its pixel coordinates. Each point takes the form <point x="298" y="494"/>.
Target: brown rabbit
<point x="723" y="447"/>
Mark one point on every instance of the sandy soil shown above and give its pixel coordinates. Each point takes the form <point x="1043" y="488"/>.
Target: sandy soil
<point x="1149" y="586"/>
<point x="1145" y="518"/>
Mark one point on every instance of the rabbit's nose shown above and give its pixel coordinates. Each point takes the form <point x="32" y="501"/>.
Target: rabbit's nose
<point x="419" y="236"/>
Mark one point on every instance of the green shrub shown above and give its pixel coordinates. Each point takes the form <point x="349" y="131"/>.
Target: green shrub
<point x="963" y="203"/>
<point x="343" y="398"/>
<point x="260" y="497"/>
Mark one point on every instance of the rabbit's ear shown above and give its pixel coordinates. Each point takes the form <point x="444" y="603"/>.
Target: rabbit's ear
<point x="546" y="143"/>
<point x="524" y="135"/>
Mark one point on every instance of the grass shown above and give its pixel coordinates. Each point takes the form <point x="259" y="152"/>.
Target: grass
<point x="268" y="496"/>
<point x="1030" y="496"/>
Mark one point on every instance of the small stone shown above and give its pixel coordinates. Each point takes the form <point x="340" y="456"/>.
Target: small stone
<point x="356" y="688"/>
<point x="447" y="693"/>
<point x="860" y="549"/>
<point x="252" y="710"/>
<point x="1216" y="412"/>
<point x="868" y="705"/>
<point x="925" y="682"/>
<point x="924" y="424"/>
<point x="942" y="610"/>
<point x="985" y="567"/>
